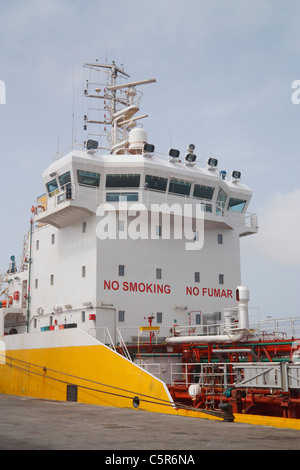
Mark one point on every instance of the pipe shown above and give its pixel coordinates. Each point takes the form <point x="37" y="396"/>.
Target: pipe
<point x="230" y="335"/>
<point x="29" y="276"/>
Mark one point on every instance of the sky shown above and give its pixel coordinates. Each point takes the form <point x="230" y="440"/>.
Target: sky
<point x="225" y="71"/>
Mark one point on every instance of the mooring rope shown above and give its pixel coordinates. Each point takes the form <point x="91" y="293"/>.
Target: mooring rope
<point x="142" y="397"/>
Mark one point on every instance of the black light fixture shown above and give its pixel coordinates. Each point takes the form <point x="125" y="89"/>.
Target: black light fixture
<point x="212" y="162"/>
<point x="173" y="153"/>
<point x="148" y="148"/>
<point x="190" y="157"/>
<point x="92" y="144"/>
<point x="236" y="175"/>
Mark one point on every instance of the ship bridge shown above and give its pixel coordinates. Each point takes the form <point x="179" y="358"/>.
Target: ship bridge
<point x="130" y="170"/>
<point x="82" y="180"/>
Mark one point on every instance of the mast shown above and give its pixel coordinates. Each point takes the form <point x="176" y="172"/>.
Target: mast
<point x="120" y="101"/>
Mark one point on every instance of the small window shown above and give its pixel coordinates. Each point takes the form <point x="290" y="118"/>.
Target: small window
<point x="156" y="183"/>
<point x="197" y="277"/>
<point x="36" y="283"/>
<point x="198" y="318"/>
<point x="37" y="245"/>
<point x="121" y="270"/>
<point x="83" y="227"/>
<point x="83" y="316"/>
<point x="221" y="278"/>
<point x="52" y="280"/>
<point x="123" y="181"/>
<point x="83" y="271"/>
<point x="220" y="239"/>
<point x="64" y="179"/>
<point x="179" y="187"/>
<point x="159" y="317"/>
<point x="88" y="178"/>
<point x="35" y="323"/>
<point x="158" y="273"/>
<point x="53" y="239"/>
<point x="121" y="315"/>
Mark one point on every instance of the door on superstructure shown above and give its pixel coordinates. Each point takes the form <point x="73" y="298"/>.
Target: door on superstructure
<point x="106" y="325"/>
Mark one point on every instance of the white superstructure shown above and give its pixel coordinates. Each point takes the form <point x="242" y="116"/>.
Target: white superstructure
<point x="125" y="234"/>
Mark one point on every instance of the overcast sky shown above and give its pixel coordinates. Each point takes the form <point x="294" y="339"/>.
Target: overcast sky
<point x="224" y="71"/>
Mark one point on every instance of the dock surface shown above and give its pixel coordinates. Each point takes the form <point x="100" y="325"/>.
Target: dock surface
<point x="33" y="424"/>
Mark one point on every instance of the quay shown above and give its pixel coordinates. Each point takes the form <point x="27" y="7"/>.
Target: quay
<point x="34" y="424"/>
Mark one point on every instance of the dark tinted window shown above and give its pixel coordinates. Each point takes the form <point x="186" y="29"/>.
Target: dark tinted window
<point x="179" y="187"/>
<point x="123" y="181"/>
<point x="88" y="178"/>
<point x="156" y="183"/>
<point x="203" y="192"/>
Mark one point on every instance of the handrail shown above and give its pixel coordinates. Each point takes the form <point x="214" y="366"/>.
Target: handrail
<point x="121" y="341"/>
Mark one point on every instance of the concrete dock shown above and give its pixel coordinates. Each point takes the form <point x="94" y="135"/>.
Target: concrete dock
<point x="32" y="424"/>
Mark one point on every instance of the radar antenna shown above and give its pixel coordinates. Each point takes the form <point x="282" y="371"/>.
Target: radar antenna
<point x="120" y="103"/>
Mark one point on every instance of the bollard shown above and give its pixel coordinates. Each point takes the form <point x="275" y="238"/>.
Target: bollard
<point x="228" y="414"/>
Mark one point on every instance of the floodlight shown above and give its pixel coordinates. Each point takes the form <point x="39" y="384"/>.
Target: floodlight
<point x="92" y="145"/>
<point x="236" y="175"/>
<point x="148" y="148"/>
<point x="190" y="157"/>
<point x="212" y="162"/>
<point x="173" y="153"/>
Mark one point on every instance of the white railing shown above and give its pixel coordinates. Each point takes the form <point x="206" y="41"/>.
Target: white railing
<point x="122" y="345"/>
<point x="277" y="328"/>
<point x="103" y="335"/>
<point x="221" y="376"/>
<point x="268" y="330"/>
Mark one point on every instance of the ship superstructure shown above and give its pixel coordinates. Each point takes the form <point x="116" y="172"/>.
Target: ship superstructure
<point x="116" y="226"/>
<point x="134" y="251"/>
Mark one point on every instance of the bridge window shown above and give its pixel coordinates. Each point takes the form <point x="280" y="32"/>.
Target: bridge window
<point x="221" y="199"/>
<point x="52" y="187"/>
<point x="156" y="183"/>
<point x="88" y="178"/>
<point x="179" y="187"/>
<point x="64" y="179"/>
<point x="236" y="205"/>
<point x="203" y="192"/>
<point x="123" y="181"/>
